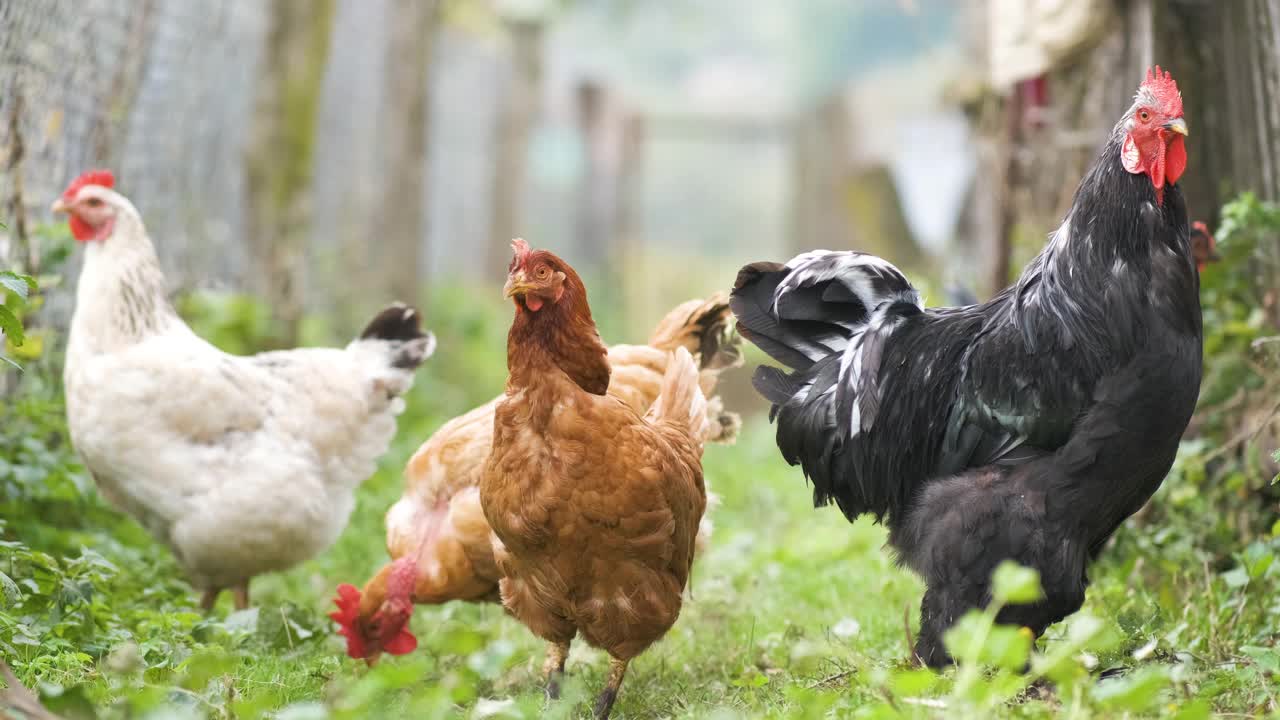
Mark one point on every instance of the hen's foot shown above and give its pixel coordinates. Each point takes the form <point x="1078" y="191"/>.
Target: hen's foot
<point x="553" y="668"/>
<point x="604" y="703"/>
<point x="209" y="599"/>
<point x="241" y="595"/>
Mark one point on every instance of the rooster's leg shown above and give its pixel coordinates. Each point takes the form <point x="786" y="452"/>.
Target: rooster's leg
<point x="241" y="595"/>
<point x="553" y="668"/>
<point x="617" y="668"/>
<point x="209" y="599"/>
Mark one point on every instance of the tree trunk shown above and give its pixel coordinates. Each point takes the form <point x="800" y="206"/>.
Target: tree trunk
<point x="1226" y="58"/>
<point x="401" y="219"/>
<point x="596" y="215"/>
<point x="280" y="155"/>
<point x="515" y="121"/>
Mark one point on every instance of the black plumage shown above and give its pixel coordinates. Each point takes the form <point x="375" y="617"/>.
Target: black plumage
<point x="1025" y="428"/>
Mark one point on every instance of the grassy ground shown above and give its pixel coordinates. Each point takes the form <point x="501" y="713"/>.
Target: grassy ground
<point x="794" y="612"/>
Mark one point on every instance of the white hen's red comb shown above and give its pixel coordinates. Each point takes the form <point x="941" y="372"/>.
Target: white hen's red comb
<point x="103" y="178"/>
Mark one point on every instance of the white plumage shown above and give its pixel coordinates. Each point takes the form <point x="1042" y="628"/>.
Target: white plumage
<point x="241" y="465"/>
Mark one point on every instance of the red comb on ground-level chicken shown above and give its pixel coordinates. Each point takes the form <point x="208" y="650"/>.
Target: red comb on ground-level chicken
<point x="1204" y="249"/>
<point x="387" y="627"/>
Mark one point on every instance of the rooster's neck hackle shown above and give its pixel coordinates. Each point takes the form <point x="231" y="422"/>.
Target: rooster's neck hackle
<point x="1118" y="248"/>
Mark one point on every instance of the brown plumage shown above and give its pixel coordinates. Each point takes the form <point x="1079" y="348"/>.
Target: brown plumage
<point x="438" y="522"/>
<point x="594" y="508"/>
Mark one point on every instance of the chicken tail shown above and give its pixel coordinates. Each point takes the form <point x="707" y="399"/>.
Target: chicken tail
<point x="703" y="327"/>
<point x="681" y="401"/>
<point x="827" y="316"/>
<point x="400" y="326"/>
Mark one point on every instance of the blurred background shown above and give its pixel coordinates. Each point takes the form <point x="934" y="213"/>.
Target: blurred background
<point x="300" y="163"/>
<point x="325" y="154"/>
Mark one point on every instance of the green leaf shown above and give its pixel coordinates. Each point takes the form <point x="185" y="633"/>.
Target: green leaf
<point x="1012" y="584"/>
<point x="10" y="590"/>
<point x="71" y="703"/>
<point x="11" y="326"/>
<point x="1258" y="558"/>
<point x="1007" y="647"/>
<point x="1267" y="658"/>
<point x="1136" y="692"/>
<point x="20" y="285"/>
<point x="1199" y="709"/>
<point x="906" y="683"/>
<point x="205" y="666"/>
<point x="1237" y="577"/>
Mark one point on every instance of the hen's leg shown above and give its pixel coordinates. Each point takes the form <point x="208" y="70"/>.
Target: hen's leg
<point x="604" y="704"/>
<point x="241" y="595"/>
<point x="553" y="668"/>
<point x="209" y="598"/>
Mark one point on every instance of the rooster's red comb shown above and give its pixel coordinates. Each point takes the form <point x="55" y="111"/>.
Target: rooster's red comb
<point x="1162" y="86"/>
<point x="92" y="177"/>
<point x="348" y="602"/>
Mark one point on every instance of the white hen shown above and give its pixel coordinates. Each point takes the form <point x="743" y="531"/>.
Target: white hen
<point x="241" y="465"/>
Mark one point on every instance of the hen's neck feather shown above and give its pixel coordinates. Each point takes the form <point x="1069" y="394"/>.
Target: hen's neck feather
<point x="560" y="336"/>
<point x="120" y="298"/>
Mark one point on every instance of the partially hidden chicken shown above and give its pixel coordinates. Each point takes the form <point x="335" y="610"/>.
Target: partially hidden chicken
<point x="1026" y="428"/>
<point x="240" y="465"/>
<point x="594" y="507"/>
<point x="437" y="535"/>
<point x="1204" y="249"/>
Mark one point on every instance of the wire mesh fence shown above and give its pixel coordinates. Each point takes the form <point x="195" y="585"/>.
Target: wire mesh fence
<point x="157" y="90"/>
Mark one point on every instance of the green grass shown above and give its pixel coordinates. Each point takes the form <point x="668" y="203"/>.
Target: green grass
<point x="793" y="612"/>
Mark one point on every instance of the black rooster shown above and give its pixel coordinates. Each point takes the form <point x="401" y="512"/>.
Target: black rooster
<point x="1025" y="428"/>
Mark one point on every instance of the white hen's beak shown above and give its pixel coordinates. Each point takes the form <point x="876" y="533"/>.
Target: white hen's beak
<point x="58" y="207"/>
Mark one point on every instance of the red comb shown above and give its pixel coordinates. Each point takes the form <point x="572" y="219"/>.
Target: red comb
<point x="1165" y="90"/>
<point x="92" y="177"/>
<point x="521" y="247"/>
<point x="348" y="602"/>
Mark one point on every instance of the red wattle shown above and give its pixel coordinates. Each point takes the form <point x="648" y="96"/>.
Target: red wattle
<point x="80" y="230"/>
<point x="533" y="302"/>
<point x="402" y="644"/>
<point x="1175" y="162"/>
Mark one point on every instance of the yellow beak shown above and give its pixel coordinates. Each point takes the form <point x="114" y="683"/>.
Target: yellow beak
<point x="516" y="285"/>
<point x="58" y="207"/>
<point x="1177" y="125"/>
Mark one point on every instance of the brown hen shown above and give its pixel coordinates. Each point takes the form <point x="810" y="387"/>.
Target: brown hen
<point x="594" y="508"/>
<point x="437" y="535"/>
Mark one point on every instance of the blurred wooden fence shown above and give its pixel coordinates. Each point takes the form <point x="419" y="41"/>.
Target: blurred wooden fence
<point x="336" y="154"/>
<point x="1225" y="56"/>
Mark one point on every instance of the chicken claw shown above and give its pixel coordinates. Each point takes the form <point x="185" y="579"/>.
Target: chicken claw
<point x="553" y="668"/>
<point x="604" y="704"/>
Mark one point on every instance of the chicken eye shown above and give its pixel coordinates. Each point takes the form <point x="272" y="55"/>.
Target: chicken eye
<point x="543" y="272"/>
<point x="94" y="202"/>
<point x="1144" y="116"/>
